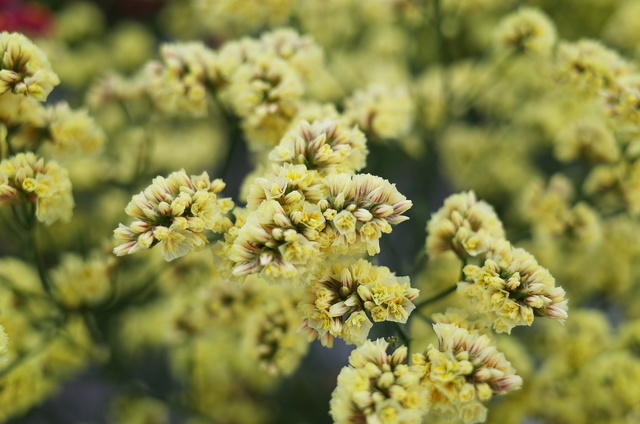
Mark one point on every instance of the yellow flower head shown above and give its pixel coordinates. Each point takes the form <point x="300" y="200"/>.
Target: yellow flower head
<point x="359" y="209"/>
<point x="510" y="288"/>
<point x="340" y="303"/>
<point x="462" y="372"/>
<point x="377" y="387"/>
<point x="326" y="146"/>
<point x="464" y="225"/>
<point x="270" y="245"/>
<point x="527" y="30"/>
<point x="24" y="68"/>
<point x="25" y="178"/>
<point x="174" y="212"/>
<point x="381" y="111"/>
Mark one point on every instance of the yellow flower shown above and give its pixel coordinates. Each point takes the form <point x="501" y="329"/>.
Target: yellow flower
<point x="174" y="212"/>
<point x="25" y="178"/>
<point x="464" y="370"/>
<point x="77" y="282"/>
<point x="510" y="287"/>
<point x="527" y="30"/>
<point x="72" y="131"/>
<point x="324" y="145"/>
<point x="270" y="245"/>
<point x="465" y="225"/>
<point x="338" y="303"/>
<point x="381" y="111"/>
<point x="377" y="387"/>
<point x="178" y="86"/>
<point x="24" y="68"/>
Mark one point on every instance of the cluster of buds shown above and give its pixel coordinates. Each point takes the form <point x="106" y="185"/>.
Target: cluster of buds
<point x="339" y="304"/>
<point x="327" y="146"/>
<point x="290" y="185"/>
<point x="359" y="209"/>
<point x="174" y="211"/>
<point x="179" y="84"/>
<point x="463" y="225"/>
<point x="270" y="245"/>
<point x="289" y="226"/>
<point x="378" y="388"/>
<point x="511" y="287"/>
<point x="462" y="372"/>
<point x="25" y="178"/>
<point x="24" y="68"/>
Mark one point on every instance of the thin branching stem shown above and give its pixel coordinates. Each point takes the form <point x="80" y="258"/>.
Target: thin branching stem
<point x="444" y="293"/>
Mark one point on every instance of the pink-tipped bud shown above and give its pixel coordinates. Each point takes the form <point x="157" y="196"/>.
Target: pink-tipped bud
<point x="402" y="206"/>
<point x="555" y="312"/>
<point x="507" y="384"/>
<point x="363" y="215"/>
<point x="382" y="211"/>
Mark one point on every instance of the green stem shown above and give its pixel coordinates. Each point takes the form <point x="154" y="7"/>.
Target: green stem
<point x="444" y="293"/>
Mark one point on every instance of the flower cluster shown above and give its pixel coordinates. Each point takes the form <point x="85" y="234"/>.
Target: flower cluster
<point x="381" y="111"/>
<point x="305" y="206"/>
<point x="340" y="303"/>
<point x="325" y="145"/>
<point x="81" y="283"/>
<point x="25" y="178"/>
<point x="378" y="388"/>
<point x="589" y="66"/>
<point x="528" y="31"/>
<point x="262" y="86"/>
<point x="463" y="225"/>
<point x="270" y="245"/>
<point x="359" y="209"/>
<point x="283" y="241"/>
<point x="290" y="185"/>
<point x="174" y="212"/>
<point x="511" y="287"/>
<point x="72" y="131"/>
<point x="24" y="68"/>
<point x="179" y="84"/>
<point x="271" y="336"/>
<point x="463" y="371"/>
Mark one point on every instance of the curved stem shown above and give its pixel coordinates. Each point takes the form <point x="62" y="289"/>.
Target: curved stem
<point x="444" y="293"/>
